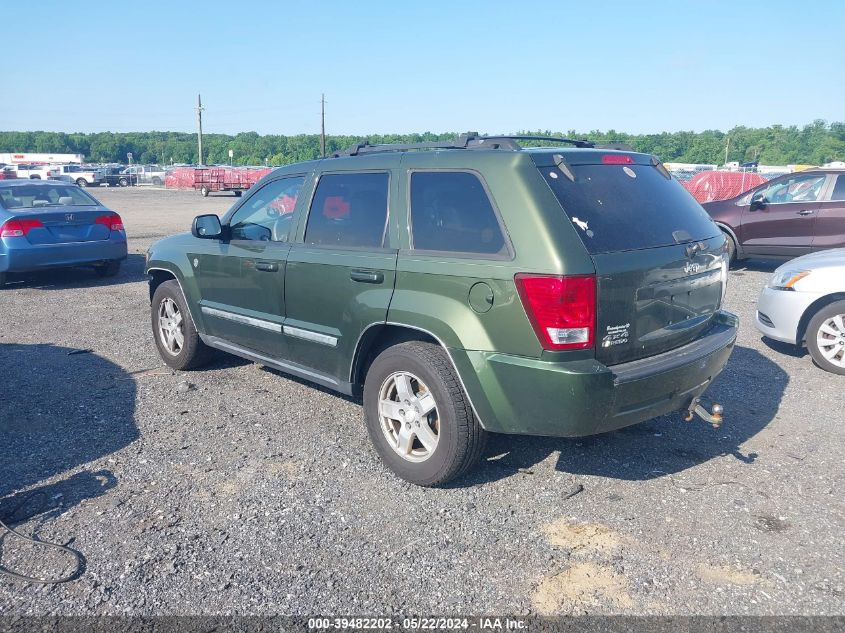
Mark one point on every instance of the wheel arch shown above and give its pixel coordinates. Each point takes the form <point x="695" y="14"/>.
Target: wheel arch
<point x="811" y="311"/>
<point x="380" y="336"/>
<point x="740" y="253"/>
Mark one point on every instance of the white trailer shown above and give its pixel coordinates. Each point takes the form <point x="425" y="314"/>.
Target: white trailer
<point x="36" y="158"/>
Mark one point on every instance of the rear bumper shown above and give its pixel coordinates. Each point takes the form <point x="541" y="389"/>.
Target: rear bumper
<point x="54" y="255"/>
<point x="513" y="394"/>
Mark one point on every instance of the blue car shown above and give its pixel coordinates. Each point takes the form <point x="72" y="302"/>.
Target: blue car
<point x="49" y="223"/>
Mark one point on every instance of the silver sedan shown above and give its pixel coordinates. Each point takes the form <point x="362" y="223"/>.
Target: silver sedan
<point x="804" y="303"/>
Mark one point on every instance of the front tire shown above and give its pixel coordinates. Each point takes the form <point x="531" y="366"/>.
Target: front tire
<point x="418" y="417"/>
<point x="204" y="191"/>
<point x="826" y="338"/>
<point x="731" y="245"/>
<point x="123" y="182"/>
<point x="175" y="334"/>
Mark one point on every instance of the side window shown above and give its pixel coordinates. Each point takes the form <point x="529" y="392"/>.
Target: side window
<point x="839" y="188"/>
<point x="795" y="189"/>
<point x="349" y="210"/>
<point x="267" y="215"/>
<point x="450" y="211"/>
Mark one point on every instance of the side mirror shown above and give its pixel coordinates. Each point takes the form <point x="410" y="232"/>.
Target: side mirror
<point x="758" y="201"/>
<point x="207" y="227"/>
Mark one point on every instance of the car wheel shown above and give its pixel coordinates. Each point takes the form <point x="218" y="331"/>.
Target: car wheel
<point x="418" y="416"/>
<point x="81" y="182"/>
<point x="157" y="181"/>
<point x="204" y="191"/>
<point x="176" y="337"/>
<point x="238" y="193"/>
<point x="826" y="338"/>
<point x="109" y="269"/>
<point x="123" y="182"/>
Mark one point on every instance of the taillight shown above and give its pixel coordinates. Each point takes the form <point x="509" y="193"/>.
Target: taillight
<point x="112" y="220"/>
<point x="18" y="228"/>
<point x="562" y="309"/>
<point x="617" y="159"/>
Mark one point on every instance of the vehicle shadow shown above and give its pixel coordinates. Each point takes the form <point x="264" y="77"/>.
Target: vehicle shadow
<point x="131" y="271"/>
<point x="787" y="349"/>
<point x="58" y="411"/>
<point x="658" y="447"/>
<point x="756" y="265"/>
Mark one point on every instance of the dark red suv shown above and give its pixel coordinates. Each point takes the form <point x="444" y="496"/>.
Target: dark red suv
<point x="788" y="216"/>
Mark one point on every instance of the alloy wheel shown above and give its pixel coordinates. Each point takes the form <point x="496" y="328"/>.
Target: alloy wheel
<point x="408" y="416"/>
<point x="830" y="339"/>
<point x="171" y="326"/>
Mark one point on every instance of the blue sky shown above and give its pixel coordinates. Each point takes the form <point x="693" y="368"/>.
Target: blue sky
<point x="414" y="66"/>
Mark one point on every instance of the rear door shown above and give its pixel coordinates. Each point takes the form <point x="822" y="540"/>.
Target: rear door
<point x="659" y="258"/>
<point x="341" y="272"/>
<point x="830" y="223"/>
<point x="786" y="224"/>
<point x="242" y="279"/>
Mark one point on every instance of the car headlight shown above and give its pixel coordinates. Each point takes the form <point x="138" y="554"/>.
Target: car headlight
<point x="786" y="279"/>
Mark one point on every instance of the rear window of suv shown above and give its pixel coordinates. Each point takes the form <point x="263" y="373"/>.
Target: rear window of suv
<point x="628" y="207"/>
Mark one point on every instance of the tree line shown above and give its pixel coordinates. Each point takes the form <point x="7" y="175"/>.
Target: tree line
<point x="816" y="143"/>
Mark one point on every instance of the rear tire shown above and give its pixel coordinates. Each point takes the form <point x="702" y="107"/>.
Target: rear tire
<point x="204" y="191"/>
<point x="157" y="181"/>
<point x="174" y="332"/>
<point x="109" y="269"/>
<point x="123" y="182"/>
<point x="81" y="182"/>
<point x="418" y="417"/>
<point x="826" y="338"/>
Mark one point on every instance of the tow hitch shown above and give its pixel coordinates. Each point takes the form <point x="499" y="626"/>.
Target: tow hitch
<point x="712" y="417"/>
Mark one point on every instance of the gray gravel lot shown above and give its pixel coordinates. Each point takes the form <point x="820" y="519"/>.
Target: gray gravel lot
<point x="237" y="490"/>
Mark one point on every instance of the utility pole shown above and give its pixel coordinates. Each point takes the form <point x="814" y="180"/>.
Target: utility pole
<point x="727" y="145"/>
<point x="323" y="125"/>
<point x="199" y="126"/>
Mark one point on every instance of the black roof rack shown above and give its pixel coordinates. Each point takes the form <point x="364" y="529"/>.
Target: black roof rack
<point x="465" y="141"/>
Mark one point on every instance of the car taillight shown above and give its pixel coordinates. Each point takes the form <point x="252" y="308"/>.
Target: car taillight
<point x="617" y="159"/>
<point x="18" y="228"/>
<point x="112" y="221"/>
<point x="562" y="309"/>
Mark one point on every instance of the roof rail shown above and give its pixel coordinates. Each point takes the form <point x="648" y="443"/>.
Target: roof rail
<point x="465" y="141"/>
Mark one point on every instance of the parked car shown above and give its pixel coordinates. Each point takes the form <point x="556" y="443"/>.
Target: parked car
<point x="117" y="177"/>
<point x="804" y="304"/>
<point x="35" y="172"/>
<point x="8" y="173"/>
<point x="149" y="174"/>
<point x="788" y="216"/>
<point x="84" y="177"/>
<point x="46" y="224"/>
<point x="553" y="291"/>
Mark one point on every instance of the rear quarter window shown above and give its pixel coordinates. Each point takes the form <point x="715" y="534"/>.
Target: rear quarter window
<point x="628" y="207"/>
<point x="451" y="212"/>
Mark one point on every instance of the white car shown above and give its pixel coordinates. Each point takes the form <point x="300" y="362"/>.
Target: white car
<point x="804" y="303"/>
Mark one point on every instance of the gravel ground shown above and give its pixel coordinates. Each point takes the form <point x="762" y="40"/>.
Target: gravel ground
<point x="236" y="490"/>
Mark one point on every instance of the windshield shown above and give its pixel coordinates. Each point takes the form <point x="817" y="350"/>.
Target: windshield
<point x="37" y="196"/>
<point x="628" y="207"/>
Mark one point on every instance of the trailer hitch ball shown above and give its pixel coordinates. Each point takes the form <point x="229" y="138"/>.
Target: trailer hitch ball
<point x="712" y="417"/>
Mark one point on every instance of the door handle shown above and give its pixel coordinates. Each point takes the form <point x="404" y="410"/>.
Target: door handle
<point x="267" y="267"/>
<point x="367" y="276"/>
<point x="805" y="212"/>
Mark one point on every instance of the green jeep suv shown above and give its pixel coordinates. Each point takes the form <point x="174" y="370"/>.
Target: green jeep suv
<point x="461" y="288"/>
